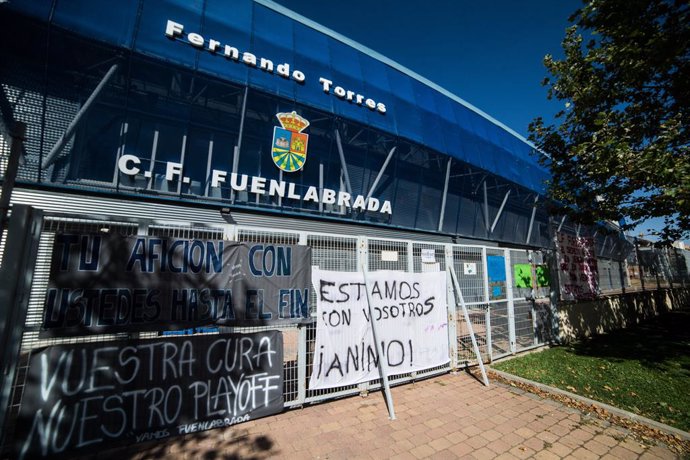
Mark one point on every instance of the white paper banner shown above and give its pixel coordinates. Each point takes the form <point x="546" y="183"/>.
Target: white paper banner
<point x="411" y="317"/>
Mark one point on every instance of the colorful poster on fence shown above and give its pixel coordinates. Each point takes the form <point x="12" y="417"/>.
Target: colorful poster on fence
<point x="578" y="272"/>
<point x="108" y="283"/>
<point x="84" y="397"/>
<point x="411" y="316"/>
<point x="522" y="275"/>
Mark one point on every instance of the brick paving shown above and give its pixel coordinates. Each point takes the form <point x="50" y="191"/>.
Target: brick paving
<point x="452" y="416"/>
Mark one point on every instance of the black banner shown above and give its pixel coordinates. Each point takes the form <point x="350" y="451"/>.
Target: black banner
<point x="91" y="395"/>
<point x="106" y="283"/>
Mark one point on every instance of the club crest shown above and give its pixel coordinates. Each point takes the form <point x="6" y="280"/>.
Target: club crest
<point x="289" y="149"/>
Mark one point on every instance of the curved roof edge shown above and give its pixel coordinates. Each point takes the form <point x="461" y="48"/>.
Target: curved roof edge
<point x="378" y="56"/>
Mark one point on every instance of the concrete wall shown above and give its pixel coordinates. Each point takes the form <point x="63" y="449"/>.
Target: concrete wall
<point x="583" y="319"/>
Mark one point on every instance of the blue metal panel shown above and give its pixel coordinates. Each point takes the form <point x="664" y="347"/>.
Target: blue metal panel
<point x="415" y="110"/>
<point x="272" y="38"/>
<point x="376" y="83"/>
<point x="39" y="9"/>
<point x="311" y="57"/>
<point x="431" y="126"/>
<point x="150" y="37"/>
<point x="111" y="22"/>
<point x="230" y="26"/>
<point x="407" y="117"/>
<point x="345" y="72"/>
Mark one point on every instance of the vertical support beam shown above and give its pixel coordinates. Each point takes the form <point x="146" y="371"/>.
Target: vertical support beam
<point x="486" y="207"/>
<point x="238" y="147"/>
<point x="445" y="196"/>
<point x="343" y="164"/>
<point x="302" y="347"/>
<point x="500" y="211"/>
<point x="487" y="318"/>
<point x="124" y="127"/>
<point x="531" y="220"/>
<point x="143" y="227"/>
<point x="280" y="198"/>
<point x="561" y="224"/>
<point x="16" y="137"/>
<point x="410" y="257"/>
<point x="485" y="275"/>
<point x="302" y="363"/>
<point x="320" y="186"/>
<point x="378" y="176"/>
<point x="379" y="350"/>
<point x="60" y="144"/>
<point x="489" y="342"/>
<point x="230" y="232"/>
<point x="363" y="261"/>
<point x="182" y="155"/>
<point x="154" y="150"/>
<point x="209" y="160"/>
<point x="470" y="329"/>
<point x="16" y="276"/>
<point x="511" y="303"/>
<point x="452" y="311"/>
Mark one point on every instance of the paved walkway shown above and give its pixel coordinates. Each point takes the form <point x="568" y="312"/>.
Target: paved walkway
<point x="452" y="416"/>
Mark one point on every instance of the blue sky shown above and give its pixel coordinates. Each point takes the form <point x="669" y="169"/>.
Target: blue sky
<point x="489" y="53"/>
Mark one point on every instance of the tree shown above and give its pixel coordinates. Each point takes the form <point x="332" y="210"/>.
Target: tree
<point x="622" y="148"/>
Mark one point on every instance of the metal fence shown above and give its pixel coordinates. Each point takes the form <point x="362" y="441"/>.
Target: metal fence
<point x="507" y="315"/>
<point x="502" y="316"/>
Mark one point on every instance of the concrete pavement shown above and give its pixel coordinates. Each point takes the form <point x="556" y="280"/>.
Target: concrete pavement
<point x="447" y="417"/>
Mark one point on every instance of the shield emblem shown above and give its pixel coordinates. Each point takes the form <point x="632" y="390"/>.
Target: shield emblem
<point x="289" y="148"/>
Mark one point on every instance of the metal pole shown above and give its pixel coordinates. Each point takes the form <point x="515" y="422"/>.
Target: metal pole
<point x="500" y="211"/>
<point x="486" y="207"/>
<point x="236" y="151"/>
<point x="445" y="196"/>
<point x="378" y="176"/>
<point x="379" y="351"/>
<point x="531" y="220"/>
<point x="60" y="144"/>
<point x="209" y="160"/>
<point x="17" y="135"/>
<point x="342" y="161"/>
<point x="469" y="325"/>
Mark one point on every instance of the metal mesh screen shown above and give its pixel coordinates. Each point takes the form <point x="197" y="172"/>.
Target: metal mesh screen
<point x="500" y="329"/>
<point x="5" y="144"/>
<point x="333" y="252"/>
<point x="524" y="324"/>
<point x="489" y="316"/>
<point x="477" y="314"/>
<point x="290" y="333"/>
<point x="538" y="257"/>
<point x="422" y="262"/>
<point x="387" y="255"/>
<point x="469" y="268"/>
<point x="520" y="258"/>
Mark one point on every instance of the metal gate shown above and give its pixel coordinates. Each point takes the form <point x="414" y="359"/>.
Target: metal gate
<point x="505" y="318"/>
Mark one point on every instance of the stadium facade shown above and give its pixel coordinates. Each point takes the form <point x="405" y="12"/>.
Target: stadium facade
<point x="243" y="121"/>
<point x="167" y="102"/>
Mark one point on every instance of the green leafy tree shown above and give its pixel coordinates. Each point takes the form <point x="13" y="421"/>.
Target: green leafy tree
<point x="621" y="145"/>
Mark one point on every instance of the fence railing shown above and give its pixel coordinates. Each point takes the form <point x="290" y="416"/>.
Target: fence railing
<point x="504" y="322"/>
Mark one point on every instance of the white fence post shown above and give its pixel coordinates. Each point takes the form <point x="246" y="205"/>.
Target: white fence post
<point x="511" y="304"/>
<point x="452" y="311"/>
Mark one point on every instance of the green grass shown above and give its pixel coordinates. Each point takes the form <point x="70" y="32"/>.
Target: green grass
<point x="645" y="370"/>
